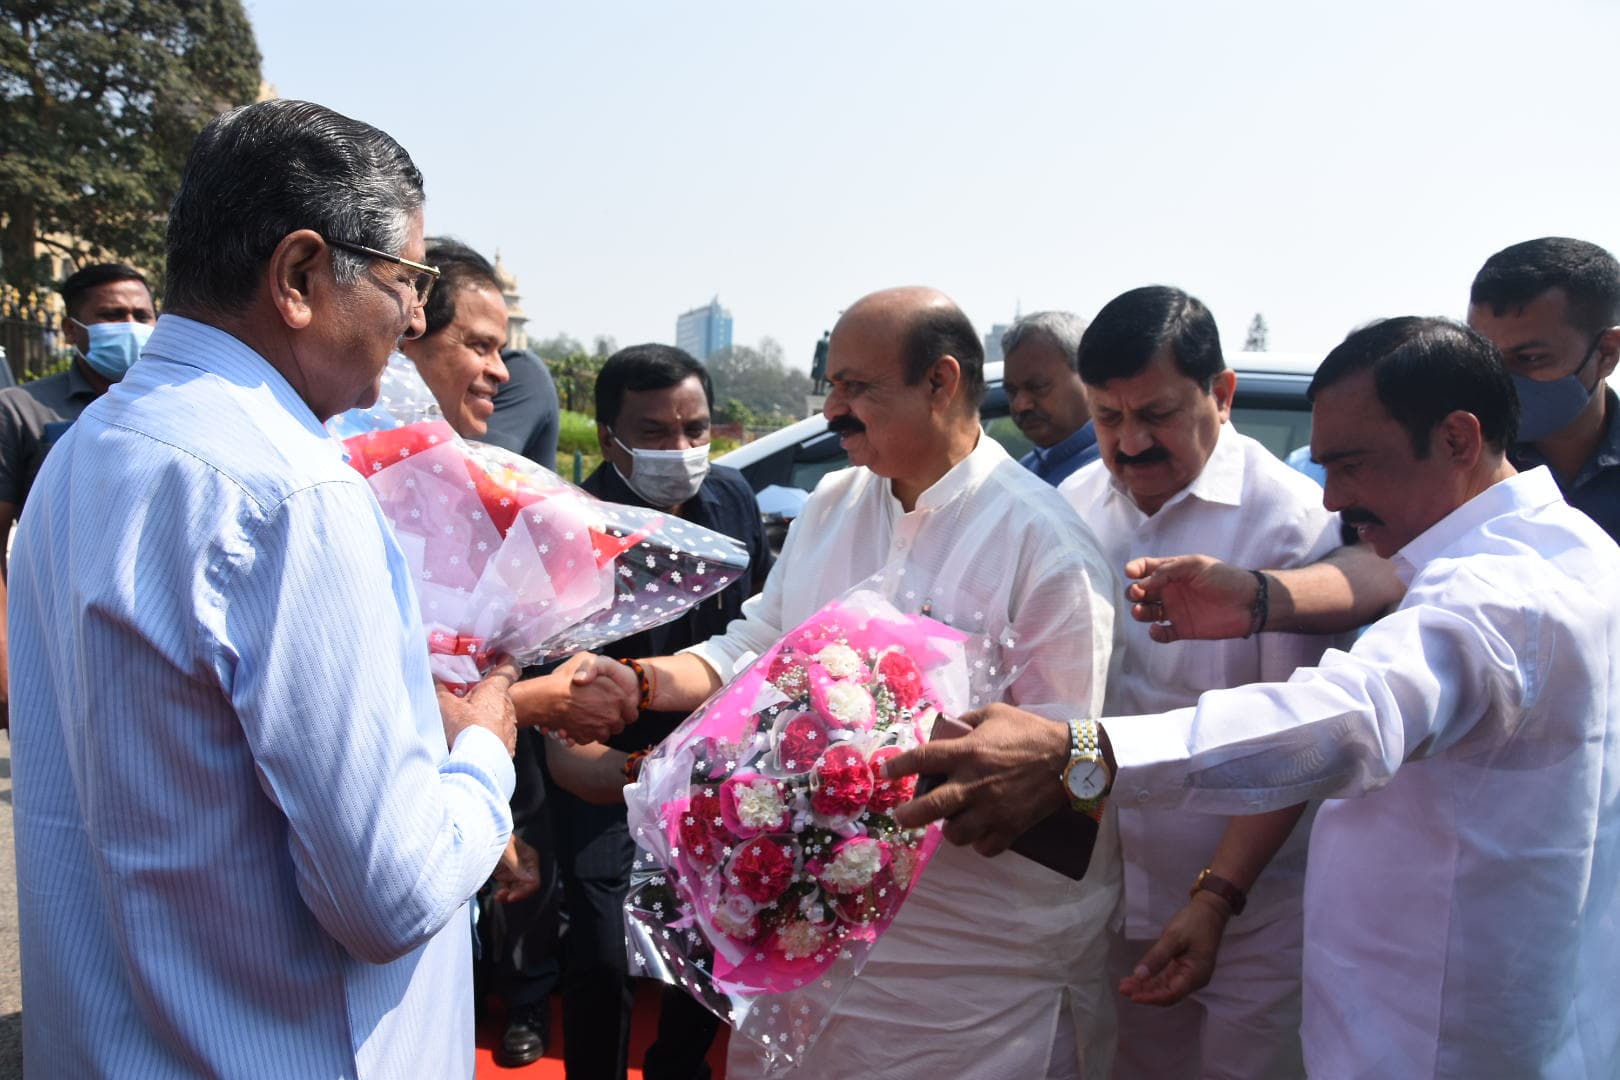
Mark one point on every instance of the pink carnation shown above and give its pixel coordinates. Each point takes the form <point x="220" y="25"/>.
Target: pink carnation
<point x="841" y="783"/>
<point x="788" y="672"/>
<point x="886" y="793"/>
<point x="702" y="833"/>
<point x="762" y="869"/>
<point x="802" y="741"/>
<point x="903" y="678"/>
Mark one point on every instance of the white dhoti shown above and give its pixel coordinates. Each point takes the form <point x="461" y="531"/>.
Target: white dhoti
<point x="995" y="969"/>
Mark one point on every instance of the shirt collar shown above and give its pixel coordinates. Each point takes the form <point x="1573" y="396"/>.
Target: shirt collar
<point x="1220" y="481"/>
<point x="963" y="477"/>
<point x="1078" y="442"/>
<point x="184" y="341"/>
<point x="78" y="385"/>
<point x="1526" y="491"/>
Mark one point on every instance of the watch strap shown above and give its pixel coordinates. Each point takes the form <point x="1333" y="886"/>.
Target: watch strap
<point x="1208" y="881"/>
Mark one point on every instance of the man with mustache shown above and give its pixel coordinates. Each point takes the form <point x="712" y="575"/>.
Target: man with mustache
<point x="1463" y="892"/>
<point x="991" y="968"/>
<point x="1552" y="306"/>
<point x="1048" y="401"/>
<point x="1175" y="473"/>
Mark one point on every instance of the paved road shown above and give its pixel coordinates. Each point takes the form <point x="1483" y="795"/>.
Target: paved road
<point x="10" y="978"/>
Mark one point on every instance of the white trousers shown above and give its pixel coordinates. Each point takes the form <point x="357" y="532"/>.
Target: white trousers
<point x="995" y="969"/>
<point x="1243" y="1026"/>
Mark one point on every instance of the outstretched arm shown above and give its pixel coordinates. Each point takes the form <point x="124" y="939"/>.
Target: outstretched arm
<point x="1199" y="597"/>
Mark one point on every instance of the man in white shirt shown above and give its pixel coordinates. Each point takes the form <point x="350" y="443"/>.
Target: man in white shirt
<point x="993" y="968"/>
<point x="1175" y="474"/>
<point x="1463" y="918"/>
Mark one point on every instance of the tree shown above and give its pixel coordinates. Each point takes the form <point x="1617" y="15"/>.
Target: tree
<point x="100" y="101"/>
<point x="1259" y="336"/>
<point x="557" y="347"/>
<point x="760" y="379"/>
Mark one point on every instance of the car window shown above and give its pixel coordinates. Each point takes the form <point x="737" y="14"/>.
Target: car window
<point x="1279" y="430"/>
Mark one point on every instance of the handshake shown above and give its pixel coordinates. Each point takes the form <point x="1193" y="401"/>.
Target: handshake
<point x="588" y="699"/>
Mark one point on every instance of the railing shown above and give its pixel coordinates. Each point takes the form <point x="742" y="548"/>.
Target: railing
<point x="28" y="333"/>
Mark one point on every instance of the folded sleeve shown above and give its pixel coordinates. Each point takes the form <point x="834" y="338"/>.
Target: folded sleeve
<point x="327" y="671"/>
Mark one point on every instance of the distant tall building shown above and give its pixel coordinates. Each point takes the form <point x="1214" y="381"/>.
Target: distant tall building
<point x="992" y="343"/>
<point x="704" y="331"/>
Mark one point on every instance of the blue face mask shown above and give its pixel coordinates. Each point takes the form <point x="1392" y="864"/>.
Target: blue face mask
<point x="1547" y="406"/>
<point x="114" y="346"/>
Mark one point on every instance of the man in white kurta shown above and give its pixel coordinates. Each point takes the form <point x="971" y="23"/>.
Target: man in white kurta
<point x="1463" y="894"/>
<point x="1248" y="507"/>
<point x="1146" y="358"/>
<point x="994" y="967"/>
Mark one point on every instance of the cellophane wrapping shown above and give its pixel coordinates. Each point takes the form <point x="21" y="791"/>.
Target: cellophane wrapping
<point x="506" y="556"/>
<point x="768" y="865"/>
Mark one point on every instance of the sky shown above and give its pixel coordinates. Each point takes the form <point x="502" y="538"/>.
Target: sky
<point x="1320" y="164"/>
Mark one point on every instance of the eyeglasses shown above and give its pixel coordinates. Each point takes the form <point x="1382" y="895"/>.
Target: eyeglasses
<point x="425" y="275"/>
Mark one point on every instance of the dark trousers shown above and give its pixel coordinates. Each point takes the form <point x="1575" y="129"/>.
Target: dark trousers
<point x="594" y="853"/>
<point x="521" y="943"/>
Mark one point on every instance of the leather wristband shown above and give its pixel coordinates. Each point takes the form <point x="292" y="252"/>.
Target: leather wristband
<point x="1207" y="881"/>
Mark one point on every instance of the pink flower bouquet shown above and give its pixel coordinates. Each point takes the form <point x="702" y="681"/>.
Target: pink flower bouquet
<point x="506" y="556"/>
<point x="769" y="864"/>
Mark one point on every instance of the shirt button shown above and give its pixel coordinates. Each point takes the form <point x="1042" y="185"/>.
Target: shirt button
<point x="1143" y="795"/>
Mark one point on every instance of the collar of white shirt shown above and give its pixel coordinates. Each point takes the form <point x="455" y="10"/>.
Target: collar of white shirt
<point x="1220" y="481"/>
<point x="961" y="478"/>
<point x="198" y="345"/>
<point x="1526" y="491"/>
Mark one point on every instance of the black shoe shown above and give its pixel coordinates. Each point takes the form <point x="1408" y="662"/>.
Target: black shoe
<point x="527" y="1029"/>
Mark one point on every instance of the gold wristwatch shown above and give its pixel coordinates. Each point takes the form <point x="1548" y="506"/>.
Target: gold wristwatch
<point x="1085" y="777"/>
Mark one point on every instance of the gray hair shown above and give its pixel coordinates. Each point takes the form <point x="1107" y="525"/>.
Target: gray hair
<point x="260" y="172"/>
<point x="1063" y="329"/>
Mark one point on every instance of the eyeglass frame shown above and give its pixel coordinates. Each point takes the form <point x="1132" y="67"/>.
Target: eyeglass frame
<point x="432" y="272"/>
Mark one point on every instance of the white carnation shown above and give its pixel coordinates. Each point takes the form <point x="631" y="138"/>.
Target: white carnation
<point x="853" y="867"/>
<point x="841" y="661"/>
<point x="850" y="704"/>
<point x="759" y="804"/>
<point x="800" y="939"/>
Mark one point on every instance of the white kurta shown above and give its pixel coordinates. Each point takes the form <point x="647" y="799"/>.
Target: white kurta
<point x="1463" y="919"/>
<point x="973" y="976"/>
<point x="1249" y="509"/>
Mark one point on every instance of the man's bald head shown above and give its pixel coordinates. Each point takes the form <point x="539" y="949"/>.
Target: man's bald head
<point x="922" y="325"/>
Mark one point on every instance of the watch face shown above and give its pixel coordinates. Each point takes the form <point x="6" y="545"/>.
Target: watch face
<point x="1087" y="779"/>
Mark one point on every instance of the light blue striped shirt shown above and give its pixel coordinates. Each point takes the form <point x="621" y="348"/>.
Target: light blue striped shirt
<point x="242" y="847"/>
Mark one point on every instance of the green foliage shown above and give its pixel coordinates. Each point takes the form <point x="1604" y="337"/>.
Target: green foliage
<point x="757" y="384"/>
<point x="575" y="376"/>
<point x="100" y="101"/>
<point x="576" y="432"/>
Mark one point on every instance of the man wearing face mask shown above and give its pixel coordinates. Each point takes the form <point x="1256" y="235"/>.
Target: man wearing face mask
<point x="109" y="317"/>
<point x="652" y="416"/>
<point x="1552" y="306"/>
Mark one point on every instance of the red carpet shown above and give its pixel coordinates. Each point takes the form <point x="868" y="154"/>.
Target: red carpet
<point x="644" y="1024"/>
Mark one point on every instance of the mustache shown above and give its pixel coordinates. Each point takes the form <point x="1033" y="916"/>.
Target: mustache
<point x="1029" y="416"/>
<point x="845" y="425"/>
<point x="1153" y="455"/>
<point x="1355" y="515"/>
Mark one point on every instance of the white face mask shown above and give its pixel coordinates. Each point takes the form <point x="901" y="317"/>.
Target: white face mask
<point x="665" y="477"/>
